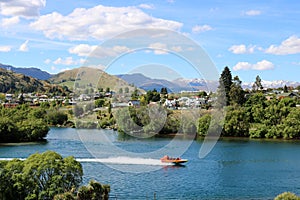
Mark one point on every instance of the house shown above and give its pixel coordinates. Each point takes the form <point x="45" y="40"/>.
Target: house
<point x="134" y="103"/>
<point x="288" y="95"/>
<point x="9" y="97"/>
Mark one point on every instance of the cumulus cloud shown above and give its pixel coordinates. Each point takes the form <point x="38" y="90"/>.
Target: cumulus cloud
<point x="253" y="12"/>
<point x="10" y="21"/>
<point x="158" y="48"/>
<point x="242" y="49"/>
<point x="146" y="6"/>
<point x="5" y="48"/>
<point x="288" y="46"/>
<point x="47" y="61"/>
<point x="24" y="47"/>
<point x="200" y="29"/>
<point x="262" y="65"/>
<point x="99" y="22"/>
<point x="23" y="8"/>
<point x="98" y="51"/>
<point x="176" y="48"/>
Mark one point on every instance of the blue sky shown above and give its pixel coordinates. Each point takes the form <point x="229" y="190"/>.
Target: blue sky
<point x="250" y="37"/>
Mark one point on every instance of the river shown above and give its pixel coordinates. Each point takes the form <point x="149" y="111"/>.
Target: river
<point x="234" y="169"/>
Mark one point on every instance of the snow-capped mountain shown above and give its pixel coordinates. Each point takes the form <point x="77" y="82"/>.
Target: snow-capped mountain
<point x="194" y="84"/>
<point x="273" y="84"/>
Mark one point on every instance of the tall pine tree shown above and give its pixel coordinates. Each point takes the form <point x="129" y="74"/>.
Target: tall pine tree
<point x="225" y="81"/>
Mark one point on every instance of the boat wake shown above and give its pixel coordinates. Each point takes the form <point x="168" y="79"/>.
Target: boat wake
<point x="125" y="161"/>
<point x="115" y="160"/>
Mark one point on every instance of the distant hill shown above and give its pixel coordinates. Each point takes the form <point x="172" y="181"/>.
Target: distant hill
<point x="11" y="82"/>
<point x="146" y="83"/>
<point x="85" y="77"/>
<point x="33" y="72"/>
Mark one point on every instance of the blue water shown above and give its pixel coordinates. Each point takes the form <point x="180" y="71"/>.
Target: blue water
<point x="234" y="169"/>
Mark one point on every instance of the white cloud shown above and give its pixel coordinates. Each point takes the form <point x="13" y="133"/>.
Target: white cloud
<point x="262" y="65"/>
<point x="47" y="61"/>
<point x="146" y="6"/>
<point x="65" y="69"/>
<point x="158" y="48"/>
<point x="24" y="46"/>
<point x="253" y="12"/>
<point x="288" y="46"/>
<point x="242" y="49"/>
<point x="10" y="21"/>
<point x="23" y="8"/>
<point x="82" y="49"/>
<point x="176" y="48"/>
<point x="5" y="48"/>
<point x="98" y="51"/>
<point x="200" y="29"/>
<point x="67" y="61"/>
<point x="99" y="22"/>
<point x="170" y="1"/>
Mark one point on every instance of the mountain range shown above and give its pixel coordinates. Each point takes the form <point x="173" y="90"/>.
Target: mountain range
<point x="127" y="80"/>
<point x="11" y="82"/>
<point x="32" y="71"/>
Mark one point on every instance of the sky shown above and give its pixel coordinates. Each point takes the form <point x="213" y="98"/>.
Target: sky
<point x="250" y="37"/>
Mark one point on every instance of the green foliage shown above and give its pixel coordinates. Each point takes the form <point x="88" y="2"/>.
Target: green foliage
<point x="203" y="124"/>
<point x="236" y="122"/>
<point x="287" y="196"/>
<point x="99" y="103"/>
<point x="226" y="82"/>
<point x="93" y="191"/>
<point x="135" y="94"/>
<point x="257" y="84"/>
<point x="55" y="117"/>
<point x="22" y="124"/>
<point x="236" y="93"/>
<point x="152" y="95"/>
<point x="40" y="176"/>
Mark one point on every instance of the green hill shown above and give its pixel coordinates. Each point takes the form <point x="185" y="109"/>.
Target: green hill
<point x="85" y="77"/>
<point x="11" y="82"/>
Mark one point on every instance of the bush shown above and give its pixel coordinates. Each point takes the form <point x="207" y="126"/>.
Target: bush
<point x="287" y="196"/>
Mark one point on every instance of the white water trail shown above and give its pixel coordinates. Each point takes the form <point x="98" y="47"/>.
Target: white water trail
<point x="125" y="161"/>
<point x="122" y="160"/>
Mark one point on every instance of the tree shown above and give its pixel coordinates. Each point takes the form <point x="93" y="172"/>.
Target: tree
<point x="202" y="94"/>
<point x="226" y="81"/>
<point x="135" y="94"/>
<point x="236" y="122"/>
<point x="287" y="196"/>
<point x="164" y="91"/>
<point x="257" y="84"/>
<point x="121" y="91"/>
<point x="237" y="94"/>
<point x="285" y="89"/>
<point x="126" y="90"/>
<point x="99" y="103"/>
<point x="203" y="124"/>
<point x="40" y="176"/>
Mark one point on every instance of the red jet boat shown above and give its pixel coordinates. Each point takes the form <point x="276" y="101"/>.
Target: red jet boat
<point x="176" y="161"/>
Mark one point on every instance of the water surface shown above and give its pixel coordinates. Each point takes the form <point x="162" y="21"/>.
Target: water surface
<point x="235" y="169"/>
